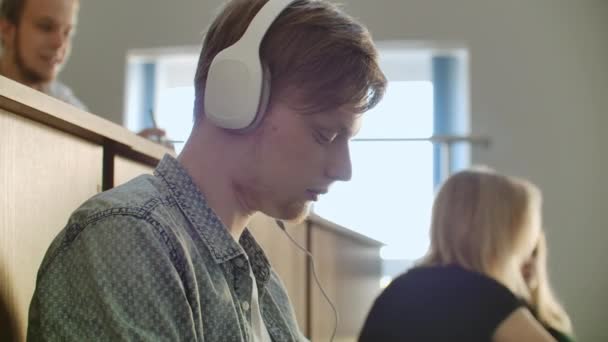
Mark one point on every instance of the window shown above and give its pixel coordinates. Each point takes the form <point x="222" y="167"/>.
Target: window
<point x="160" y="83"/>
<point x="399" y="157"/>
<point x="391" y="191"/>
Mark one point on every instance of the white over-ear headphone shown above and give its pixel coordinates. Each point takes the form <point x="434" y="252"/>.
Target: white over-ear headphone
<point x="238" y="84"/>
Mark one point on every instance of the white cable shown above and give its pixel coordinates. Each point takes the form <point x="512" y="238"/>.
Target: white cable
<point x="314" y="273"/>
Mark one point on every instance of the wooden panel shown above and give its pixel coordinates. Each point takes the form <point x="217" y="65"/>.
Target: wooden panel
<point x="44" y="175"/>
<point x="30" y="103"/>
<point x="126" y="169"/>
<point x="286" y="259"/>
<point x="349" y="270"/>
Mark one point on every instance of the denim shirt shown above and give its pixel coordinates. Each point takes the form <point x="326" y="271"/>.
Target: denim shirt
<point x="150" y="261"/>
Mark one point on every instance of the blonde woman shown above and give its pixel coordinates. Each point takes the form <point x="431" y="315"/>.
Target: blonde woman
<point x="468" y="287"/>
<point x="542" y="301"/>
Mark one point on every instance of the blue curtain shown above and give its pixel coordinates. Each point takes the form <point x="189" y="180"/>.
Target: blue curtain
<point x="450" y="116"/>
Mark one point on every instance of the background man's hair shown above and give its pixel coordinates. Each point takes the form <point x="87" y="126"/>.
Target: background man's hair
<point x="11" y="10"/>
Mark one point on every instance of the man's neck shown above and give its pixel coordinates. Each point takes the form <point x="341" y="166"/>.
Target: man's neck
<point x="9" y="69"/>
<point x="210" y="174"/>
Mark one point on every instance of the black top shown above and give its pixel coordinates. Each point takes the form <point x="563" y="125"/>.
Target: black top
<point x="443" y="303"/>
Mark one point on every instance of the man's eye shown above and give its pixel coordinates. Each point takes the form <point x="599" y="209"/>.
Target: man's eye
<point x="325" y="137"/>
<point x="45" y="27"/>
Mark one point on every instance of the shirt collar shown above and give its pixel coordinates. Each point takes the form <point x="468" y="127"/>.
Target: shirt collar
<point x="213" y="232"/>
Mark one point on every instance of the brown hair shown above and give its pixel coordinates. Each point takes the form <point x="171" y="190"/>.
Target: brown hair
<point x="482" y="222"/>
<point x="313" y="51"/>
<point x="11" y="10"/>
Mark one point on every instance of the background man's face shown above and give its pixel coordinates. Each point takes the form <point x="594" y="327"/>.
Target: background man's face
<point x="40" y="42"/>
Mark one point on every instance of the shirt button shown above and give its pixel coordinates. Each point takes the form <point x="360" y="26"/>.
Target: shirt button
<point x="239" y="262"/>
<point x="245" y="306"/>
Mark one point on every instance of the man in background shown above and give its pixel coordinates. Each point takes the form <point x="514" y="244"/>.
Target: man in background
<point x="36" y="38"/>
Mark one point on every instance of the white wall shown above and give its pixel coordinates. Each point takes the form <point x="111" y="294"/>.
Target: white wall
<point x="539" y="74"/>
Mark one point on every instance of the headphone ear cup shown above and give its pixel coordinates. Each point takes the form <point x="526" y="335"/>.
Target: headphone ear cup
<point x="237" y="91"/>
<point x="264" y="99"/>
<point x="234" y="87"/>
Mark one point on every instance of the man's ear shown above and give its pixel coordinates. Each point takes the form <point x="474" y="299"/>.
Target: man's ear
<point x="7" y="32"/>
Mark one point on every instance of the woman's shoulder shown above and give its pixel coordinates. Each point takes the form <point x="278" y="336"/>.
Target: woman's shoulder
<point x="453" y="274"/>
<point x="455" y="286"/>
<point x="432" y="303"/>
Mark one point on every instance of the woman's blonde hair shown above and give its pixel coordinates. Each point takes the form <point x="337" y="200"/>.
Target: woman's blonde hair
<point x="484" y="222"/>
<point x="542" y="299"/>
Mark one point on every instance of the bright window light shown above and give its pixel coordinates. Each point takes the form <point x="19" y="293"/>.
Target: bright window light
<point x="390" y="195"/>
<point x="385" y="281"/>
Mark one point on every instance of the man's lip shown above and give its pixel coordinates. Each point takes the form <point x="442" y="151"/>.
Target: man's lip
<point x="52" y="59"/>
<point x="312" y="196"/>
<point x="318" y="191"/>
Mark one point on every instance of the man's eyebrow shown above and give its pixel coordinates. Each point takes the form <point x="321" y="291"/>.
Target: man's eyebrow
<point x="336" y="123"/>
<point x="45" y="19"/>
<point x="337" y="127"/>
<point x="52" y="21"/>
<point x="351" y="128"/>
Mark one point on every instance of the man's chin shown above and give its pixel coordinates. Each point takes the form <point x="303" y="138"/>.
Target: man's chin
<point x="293" y="213"/>
<point x="38" y="76"/>
<point x="48" y="75"/>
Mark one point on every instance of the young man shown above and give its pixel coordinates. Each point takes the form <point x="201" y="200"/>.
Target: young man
<point x="168" y="256"/>
<point x="36" y="39"/>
